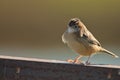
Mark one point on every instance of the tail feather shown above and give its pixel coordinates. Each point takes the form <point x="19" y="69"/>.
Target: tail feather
<point x="110" y="53"/>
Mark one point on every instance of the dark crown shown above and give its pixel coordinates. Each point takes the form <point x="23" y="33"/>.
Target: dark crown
<point x="73" y="21"/>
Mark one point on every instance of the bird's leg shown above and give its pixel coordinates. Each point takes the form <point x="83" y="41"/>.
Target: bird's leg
<point x="77" y="59"/>
<point x="87" y="62"/>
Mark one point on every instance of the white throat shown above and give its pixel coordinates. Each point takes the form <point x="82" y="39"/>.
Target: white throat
<point x="70" y="30"/>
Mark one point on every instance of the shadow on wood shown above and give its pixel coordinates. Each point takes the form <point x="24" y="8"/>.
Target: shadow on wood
<point x="18" y="68"/>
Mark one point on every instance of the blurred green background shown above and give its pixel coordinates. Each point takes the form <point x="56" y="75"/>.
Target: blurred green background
<point x="33" y="28"/>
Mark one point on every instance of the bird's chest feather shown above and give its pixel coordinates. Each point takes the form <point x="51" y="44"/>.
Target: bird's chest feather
<point x="73" y="43"/>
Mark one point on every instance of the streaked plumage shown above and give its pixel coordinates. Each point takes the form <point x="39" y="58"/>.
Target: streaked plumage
<point x="81" y="40"/>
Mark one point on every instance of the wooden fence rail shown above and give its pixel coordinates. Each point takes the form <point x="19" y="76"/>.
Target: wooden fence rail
<point x="18" y="68"/>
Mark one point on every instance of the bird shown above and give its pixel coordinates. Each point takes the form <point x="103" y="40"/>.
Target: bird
<point x="82" y="41"/>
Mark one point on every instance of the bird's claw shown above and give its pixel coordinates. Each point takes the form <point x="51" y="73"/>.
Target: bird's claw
<point x="87" y="63"/>
<point x="75" y="61"/>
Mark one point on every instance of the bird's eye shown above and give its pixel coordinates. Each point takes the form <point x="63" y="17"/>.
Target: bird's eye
<point x="75" y="26"/>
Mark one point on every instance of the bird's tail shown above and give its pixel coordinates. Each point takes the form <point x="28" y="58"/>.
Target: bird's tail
<point x="110" y="53"/>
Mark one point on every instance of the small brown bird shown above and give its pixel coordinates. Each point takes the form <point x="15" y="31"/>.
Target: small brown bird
<point x="81" y="40"/>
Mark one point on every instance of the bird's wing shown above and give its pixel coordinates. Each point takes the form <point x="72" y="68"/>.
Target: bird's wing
<point x="88" y="37"/>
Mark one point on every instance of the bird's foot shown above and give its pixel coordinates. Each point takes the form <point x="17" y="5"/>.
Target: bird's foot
<point x="70" y="60"/>
<point x="87" y="63"/>
<point x="75" y="61"/>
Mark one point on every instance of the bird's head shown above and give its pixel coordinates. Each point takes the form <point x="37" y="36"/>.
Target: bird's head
<point x="73" y="25"/>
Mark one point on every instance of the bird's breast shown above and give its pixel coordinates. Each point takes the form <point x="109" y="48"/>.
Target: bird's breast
<point x="74" y="44"/>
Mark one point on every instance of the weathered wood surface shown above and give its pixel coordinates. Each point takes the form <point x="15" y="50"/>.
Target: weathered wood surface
<point x="18" y="68"/>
